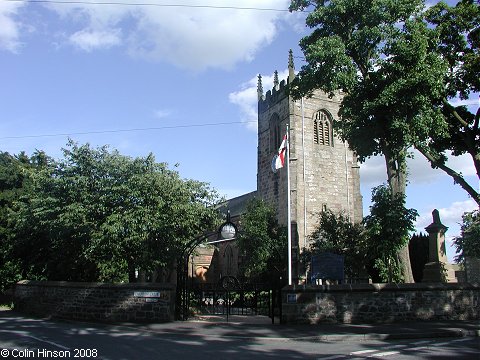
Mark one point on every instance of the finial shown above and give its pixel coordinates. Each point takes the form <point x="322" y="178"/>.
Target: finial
<point x="259" y="88"/>
<point x="275" y="79"/>
<point x="291" y="66"/>
<point x="436" y="225"/>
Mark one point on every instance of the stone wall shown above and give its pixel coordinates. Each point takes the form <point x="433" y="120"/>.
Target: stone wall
<point x="96" y="301"/>
<point x="380" y="303"/>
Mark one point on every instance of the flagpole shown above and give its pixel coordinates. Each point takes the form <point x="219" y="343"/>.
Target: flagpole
<point x="289" y="220"/>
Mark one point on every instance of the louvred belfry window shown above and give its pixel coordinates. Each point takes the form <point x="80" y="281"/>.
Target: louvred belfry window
<point x="322" y="129"/>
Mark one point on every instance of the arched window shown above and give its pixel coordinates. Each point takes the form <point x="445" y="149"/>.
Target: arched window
<point x="275" y="136"/>
<point x="322" y="129"/>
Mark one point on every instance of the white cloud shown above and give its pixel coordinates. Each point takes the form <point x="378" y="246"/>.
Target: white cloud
<point x="162" y="113"/>
<point x="9" y="26"/>
<point x="197" y="39"/>
<point x="187" y="36"/>
<point x="450" y="216"/>
<point x="89" y="40"/>
<point x="247" y="99"/>
<point x="472" y="101"/>
<point x="420" y="171"/>
<point x="373" y="172"/>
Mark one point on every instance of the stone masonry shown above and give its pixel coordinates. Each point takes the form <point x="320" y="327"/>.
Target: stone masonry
<point x="380" y="303"/>
<point x="96" y="301"/>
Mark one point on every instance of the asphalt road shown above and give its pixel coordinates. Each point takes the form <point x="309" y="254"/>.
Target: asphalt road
<point x="24" y="337"/>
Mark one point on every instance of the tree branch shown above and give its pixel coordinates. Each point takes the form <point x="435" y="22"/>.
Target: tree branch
<point x="458" y="178"/>
<point x="455" y="114"/>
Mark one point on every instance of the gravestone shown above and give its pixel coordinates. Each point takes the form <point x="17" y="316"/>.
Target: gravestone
<point x="437" y="269"/>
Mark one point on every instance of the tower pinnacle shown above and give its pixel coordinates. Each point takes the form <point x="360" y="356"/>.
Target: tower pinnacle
<point x="291" y="66"/>
<point x="275" y="80"/>
<point x="259" y="88"/>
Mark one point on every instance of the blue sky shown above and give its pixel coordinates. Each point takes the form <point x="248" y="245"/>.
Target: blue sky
<point x="155" y="78"/>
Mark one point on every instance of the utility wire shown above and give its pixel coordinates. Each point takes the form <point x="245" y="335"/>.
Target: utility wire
<point x="126" y="130"/>
<point x="80" y="2"/>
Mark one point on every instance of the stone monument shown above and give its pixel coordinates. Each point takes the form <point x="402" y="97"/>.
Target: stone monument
<point x="437" y="269"/>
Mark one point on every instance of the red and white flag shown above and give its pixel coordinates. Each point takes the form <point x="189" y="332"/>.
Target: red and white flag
<point x="279" y="159"/>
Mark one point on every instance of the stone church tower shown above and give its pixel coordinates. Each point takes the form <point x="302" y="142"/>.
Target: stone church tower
<point x="324" y="173"/>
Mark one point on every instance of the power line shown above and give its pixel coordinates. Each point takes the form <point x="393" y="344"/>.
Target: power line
<point x="126" y="130"/>
<point x="79" y="2"/>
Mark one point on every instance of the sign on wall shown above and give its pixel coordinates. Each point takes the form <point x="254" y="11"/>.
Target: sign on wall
<point x="327" y="266"/>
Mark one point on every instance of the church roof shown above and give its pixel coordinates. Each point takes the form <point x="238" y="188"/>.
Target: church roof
<point x="236" y="205"/>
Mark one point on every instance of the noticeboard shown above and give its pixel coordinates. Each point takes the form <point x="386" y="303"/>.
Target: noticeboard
<point x="327" y="266"/>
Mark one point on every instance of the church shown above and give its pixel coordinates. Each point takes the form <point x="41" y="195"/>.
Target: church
<point x="323" y="171"/>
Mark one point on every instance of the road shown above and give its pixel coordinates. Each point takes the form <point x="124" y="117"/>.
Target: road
<point x="24" y="337"/>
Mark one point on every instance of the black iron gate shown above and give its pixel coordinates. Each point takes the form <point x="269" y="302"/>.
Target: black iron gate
<point x="226" y="297"/>
<point x="229" y="296"/>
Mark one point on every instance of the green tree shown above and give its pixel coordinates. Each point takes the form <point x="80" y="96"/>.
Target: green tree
<point x="360" y="48"/>
<point x="388" y="227"/>
<point x="14" y="182"/>
<point x="455" y="38"/>
<point x="401" y="67"/>
<point x="337" y="234"/>
<point x="101" y="216"/>
<point x="468" y="244"/>
<point x="11" y="182"/>
<point x="263" y="244"/>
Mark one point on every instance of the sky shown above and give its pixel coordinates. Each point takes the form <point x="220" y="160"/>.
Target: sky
<point x="173" y="78"/>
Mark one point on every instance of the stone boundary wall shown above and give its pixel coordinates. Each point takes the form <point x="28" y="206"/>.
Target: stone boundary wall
<point x="380" y="303"/>
<point x="142" y="302"/>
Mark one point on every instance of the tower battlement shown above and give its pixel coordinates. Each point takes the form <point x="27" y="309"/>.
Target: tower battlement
<point x="272" y="96"/>
<point x="278" y="92"/>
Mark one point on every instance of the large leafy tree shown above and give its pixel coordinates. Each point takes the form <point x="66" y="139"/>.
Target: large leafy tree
<point x="14" y="182"/>
<point x="262" y="242"/>
<point x="387" y="228"/>
<point x="402" y="69"/>
<point x="399" y="67"/>
<point x="337" y="234"/>
<point x="102" y="216"/>
<point x="11" y="184"/>
<point x="455" y="38"/>
<point x="360" y="47"/>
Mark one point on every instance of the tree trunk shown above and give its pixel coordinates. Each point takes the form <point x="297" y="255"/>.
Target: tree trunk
<point x="397" y="180"/>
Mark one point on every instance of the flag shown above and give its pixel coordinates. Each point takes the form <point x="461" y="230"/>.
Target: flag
<point x="279" y="159"/>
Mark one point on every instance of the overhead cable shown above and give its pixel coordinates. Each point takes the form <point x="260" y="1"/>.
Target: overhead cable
<point x="120" y="3"/>
<point x="126" y="130"/>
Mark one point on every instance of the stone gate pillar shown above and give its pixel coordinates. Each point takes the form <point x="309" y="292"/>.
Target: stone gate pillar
<point x="437" y="269"/>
